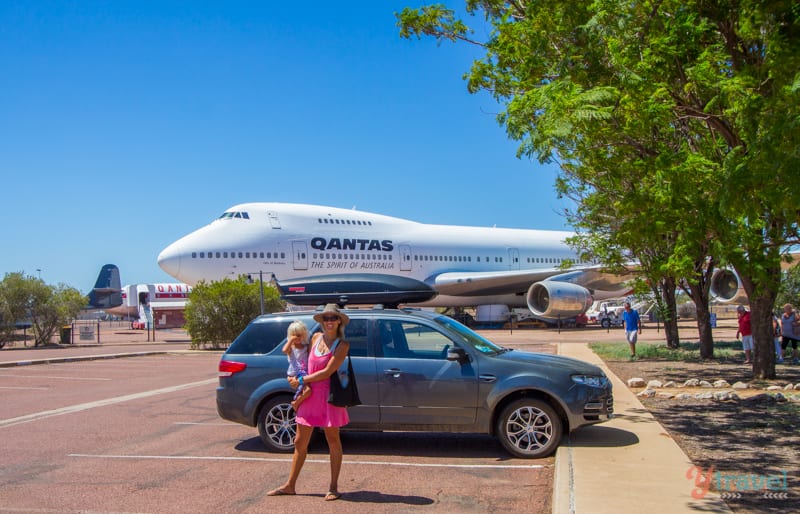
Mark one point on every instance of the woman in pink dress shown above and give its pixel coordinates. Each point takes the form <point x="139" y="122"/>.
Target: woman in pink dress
<point x="328" y="351"/>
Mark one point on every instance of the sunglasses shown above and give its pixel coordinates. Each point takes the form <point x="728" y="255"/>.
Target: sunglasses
<point x="330" y="318"/>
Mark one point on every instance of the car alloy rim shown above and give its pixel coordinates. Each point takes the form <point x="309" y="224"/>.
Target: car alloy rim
<point x="529" y="429"/>
<point x="280" y="425"/>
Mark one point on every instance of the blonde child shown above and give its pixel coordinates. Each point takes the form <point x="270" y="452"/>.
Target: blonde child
<point x="296" y="350"/>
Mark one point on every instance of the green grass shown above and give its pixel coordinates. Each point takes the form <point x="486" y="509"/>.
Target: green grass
<point x="688" y="352"/>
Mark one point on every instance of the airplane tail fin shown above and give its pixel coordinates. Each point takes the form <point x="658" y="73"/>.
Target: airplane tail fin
<point x="107" y="291"/>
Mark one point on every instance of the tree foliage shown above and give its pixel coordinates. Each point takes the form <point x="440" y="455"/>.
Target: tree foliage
<point x="218" y="311"/>
<point x="675" y="124"/>
<point x="47" y="307"/>
<point x="790" y="288"/>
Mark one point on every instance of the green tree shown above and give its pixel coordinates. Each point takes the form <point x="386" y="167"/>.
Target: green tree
<point x="47" y="307"/>
<point x="672" y="121"/>
<point x="13" y="306"/>
<point x="218" y="311"/>
<point x="790" y="288"/>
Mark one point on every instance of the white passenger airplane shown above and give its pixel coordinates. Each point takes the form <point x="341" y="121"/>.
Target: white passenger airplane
<point x="127" y="301"/>
<point x="319" y="254"/>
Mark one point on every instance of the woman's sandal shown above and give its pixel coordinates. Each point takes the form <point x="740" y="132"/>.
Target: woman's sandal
<point x="332" y="495"/>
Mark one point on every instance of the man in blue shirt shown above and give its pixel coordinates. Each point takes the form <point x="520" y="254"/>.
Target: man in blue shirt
<point x="633" y="327"/>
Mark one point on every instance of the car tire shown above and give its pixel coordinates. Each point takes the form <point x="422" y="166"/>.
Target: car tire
<point x="605" y="323"/>
<point x="529" y="428"/>
<point x="276" y="424"/>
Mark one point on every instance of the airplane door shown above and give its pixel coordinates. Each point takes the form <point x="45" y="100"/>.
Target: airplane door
<point x="274" y="221"/>
<point x="299" y="255"/>
<point x="513" y="258"/>
<point x="405" y="258"/>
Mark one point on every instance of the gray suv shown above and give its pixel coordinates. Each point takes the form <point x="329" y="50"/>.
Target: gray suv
<point x="419" y="371"/>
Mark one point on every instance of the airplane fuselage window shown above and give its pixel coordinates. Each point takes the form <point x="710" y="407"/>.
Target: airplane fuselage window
<point x="342" y="222"/>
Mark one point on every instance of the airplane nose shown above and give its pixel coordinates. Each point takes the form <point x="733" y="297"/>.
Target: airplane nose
<point x="170" y="260"/>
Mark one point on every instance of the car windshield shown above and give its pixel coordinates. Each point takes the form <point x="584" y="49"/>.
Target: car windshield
<point x="469" y="337"/>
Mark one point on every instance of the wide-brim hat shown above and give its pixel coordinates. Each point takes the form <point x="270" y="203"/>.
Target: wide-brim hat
<point x="332" y="308"/>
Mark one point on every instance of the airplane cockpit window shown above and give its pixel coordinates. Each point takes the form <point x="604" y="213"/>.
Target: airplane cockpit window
<point x="230" y="214"/>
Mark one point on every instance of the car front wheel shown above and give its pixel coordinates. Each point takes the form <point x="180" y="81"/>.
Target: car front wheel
<point x="276" y="424"/>
<point x="529" y="428"/>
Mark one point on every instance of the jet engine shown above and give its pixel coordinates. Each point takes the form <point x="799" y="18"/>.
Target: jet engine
<point x="727" y="288"/>
<point x="552" y="299"/>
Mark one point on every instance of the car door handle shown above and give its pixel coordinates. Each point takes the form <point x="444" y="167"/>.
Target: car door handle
<point x="487" y="378"/>
<point x="394" y="372"/>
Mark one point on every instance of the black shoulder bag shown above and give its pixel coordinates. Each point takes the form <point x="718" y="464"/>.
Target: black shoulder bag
<point x="344" y="392"/>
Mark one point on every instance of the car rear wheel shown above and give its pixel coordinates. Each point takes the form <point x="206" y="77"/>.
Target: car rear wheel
<point x="529" y="428"/>
<point x="276" y="424"/>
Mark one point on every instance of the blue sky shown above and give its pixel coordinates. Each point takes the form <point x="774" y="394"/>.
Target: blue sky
<point x="124" y="125"/>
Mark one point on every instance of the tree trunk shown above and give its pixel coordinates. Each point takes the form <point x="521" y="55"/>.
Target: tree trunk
<point x="762" y="300"/>
<point x="670" y="311"/>
<point x="705" y="331"/>
<point x="698" y="287"/>
<point x="763" y="336"/>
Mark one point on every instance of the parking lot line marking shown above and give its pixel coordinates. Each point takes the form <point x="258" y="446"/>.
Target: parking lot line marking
<point x="206" y="424"/>
<point x="100" y="403"/>
<point x="317" y="461"/>
<point x="50" y="377"/>
<point x="26" y="388"/>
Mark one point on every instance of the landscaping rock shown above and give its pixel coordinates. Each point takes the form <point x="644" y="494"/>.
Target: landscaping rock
<point x="636" y="382"/>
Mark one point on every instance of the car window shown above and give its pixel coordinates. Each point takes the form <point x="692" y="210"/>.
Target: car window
<point x="411" y="340"/>
<point x="467" y="336"/>
<point x="355" y="333"/>
<point x="260" y="337"/>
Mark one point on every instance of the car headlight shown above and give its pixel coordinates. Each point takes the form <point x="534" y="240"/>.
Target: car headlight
<point x="590" y="380"/>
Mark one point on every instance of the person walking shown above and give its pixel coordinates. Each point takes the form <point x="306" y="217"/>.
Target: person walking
<point x="328" y="351"/>
<point x="633" y="327"/>
<point x="776" y="330"/>
<point x="746" y="331"/>
<point x="789" y="329"/>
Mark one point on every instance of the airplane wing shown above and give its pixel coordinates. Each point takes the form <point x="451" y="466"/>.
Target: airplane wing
<point x="518" y="281"/>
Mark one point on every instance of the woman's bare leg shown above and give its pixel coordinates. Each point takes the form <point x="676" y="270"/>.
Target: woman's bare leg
<point x="300" y="451"/>
<point x="335" y="447"/>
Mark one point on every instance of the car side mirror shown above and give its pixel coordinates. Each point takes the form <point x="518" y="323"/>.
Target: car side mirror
<point x="457" y="354"/>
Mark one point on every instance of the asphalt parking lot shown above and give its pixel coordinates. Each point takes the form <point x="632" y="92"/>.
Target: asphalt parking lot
<point x="141" y="434"/>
